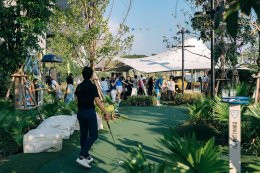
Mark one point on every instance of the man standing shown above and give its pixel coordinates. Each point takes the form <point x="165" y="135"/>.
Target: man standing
<point x="87" y="93"/>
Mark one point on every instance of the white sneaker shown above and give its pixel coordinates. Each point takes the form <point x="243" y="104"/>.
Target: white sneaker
<point x="83" y="162"/>
<point x="89" y="159"/>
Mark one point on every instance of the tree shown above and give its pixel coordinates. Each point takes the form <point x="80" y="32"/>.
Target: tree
<point x="22" y="23"/>
<point x="243" y="8"/>
<point x="85" y="35"/>
<point x="226" y="43"/>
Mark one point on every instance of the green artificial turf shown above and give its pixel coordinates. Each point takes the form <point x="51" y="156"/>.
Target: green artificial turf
<point x="137" y="125"/>
<point x="143" y="125"/>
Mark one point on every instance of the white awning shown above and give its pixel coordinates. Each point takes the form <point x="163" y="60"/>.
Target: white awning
<point x="197" y="57"/>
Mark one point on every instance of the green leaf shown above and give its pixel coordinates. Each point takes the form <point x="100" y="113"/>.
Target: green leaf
<point x="232" y="24"/>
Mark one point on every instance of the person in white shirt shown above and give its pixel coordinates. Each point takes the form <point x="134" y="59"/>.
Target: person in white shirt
<point x="104" y="86"/>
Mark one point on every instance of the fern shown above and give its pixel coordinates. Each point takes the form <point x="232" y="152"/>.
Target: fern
<point x="186" y="154"/>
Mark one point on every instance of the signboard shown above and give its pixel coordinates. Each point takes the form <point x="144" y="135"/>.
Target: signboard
<point x="234" y="138"/>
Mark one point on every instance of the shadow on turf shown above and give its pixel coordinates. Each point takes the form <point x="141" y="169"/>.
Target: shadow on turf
<point x="125" y="144"/>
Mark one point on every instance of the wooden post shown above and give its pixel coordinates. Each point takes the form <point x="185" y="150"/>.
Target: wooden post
<point x="23" y="91"/>
<point x="9" y="89"/>
<point x="17" y="92"/>
<point x="257" y="86"/>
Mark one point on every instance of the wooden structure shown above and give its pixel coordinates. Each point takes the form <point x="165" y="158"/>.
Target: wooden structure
<point x="20" y="90"/>
<point x="257" y="77"/>
<point x="218" y="84"/>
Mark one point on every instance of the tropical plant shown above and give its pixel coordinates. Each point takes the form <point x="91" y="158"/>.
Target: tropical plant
<point x="251" y="130"/>
<point x="201" y="111"/>
<point x="186" y="154"/>
<point x="221" y="110"/>
<point x="254" y="110"/>
<point x="243" y="89"/>
<point x="139" y="164"/>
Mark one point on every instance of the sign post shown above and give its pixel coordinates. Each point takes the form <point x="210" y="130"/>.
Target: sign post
<point x="235" y="131"/>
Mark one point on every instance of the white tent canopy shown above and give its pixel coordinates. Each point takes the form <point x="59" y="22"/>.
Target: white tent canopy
<point x="196" y="58"/>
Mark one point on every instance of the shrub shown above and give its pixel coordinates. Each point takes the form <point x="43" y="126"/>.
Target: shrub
<point x="187" y="98"/>
<point x="192" y="97"/>
<point x="251" y="130"/>
<point x="139" y="164"/>
<point x="141" y="101"/>
<point x="178" y="99"/>
<point x="215" y="114"/>
<point x="14" y="124"/>
<point x="201" y="111"/>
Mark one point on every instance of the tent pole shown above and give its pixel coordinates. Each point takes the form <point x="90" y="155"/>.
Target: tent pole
<point x="182" y="34"/>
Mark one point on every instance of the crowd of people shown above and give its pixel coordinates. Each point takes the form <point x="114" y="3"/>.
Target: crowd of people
<point x="120" y="88"/>
<point x="116" y="86"/>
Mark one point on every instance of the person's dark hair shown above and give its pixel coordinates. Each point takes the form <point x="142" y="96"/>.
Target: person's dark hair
<point x="135" y="76"/>
<point x="87" y="72"/>
<point x="112" y="74"/>
<point x="48" y="80"/>
<point x="141" y="76"/>
<point x="120" y="78"/>
<point x="199" y="79"/>
<point x="69" y="80"/>
<point x="151" y="79"/>
<point x="102" y="79"/>
<point x="35" y="80"/>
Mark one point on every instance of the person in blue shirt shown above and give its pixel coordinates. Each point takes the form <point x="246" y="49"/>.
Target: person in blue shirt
<point x="158" y="89"/>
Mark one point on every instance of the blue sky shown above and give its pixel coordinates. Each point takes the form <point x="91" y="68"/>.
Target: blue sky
<point x="149" y="21"/>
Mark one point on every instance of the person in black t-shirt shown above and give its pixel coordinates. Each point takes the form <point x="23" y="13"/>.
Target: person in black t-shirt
<point x="87" y="94"/>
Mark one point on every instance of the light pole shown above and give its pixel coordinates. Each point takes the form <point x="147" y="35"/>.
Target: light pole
<point x="212" y="11"/>
<point x="182" y="32"/>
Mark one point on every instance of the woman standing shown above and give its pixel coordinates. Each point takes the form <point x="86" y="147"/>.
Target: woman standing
<point x="129" y="85"/>
<point x="69" y="95"/>
<point x="171" y="87"/>
<point x="150" y="86"/>
<point x="54" y="86"/>
<point x="104" y="86"/>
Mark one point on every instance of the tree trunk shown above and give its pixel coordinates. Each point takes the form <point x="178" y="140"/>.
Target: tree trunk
<point x="222" y="65"/>
<point x="258" y="59"/>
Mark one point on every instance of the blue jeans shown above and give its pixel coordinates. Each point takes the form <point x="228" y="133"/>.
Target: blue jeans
<point x="88" y="130"/>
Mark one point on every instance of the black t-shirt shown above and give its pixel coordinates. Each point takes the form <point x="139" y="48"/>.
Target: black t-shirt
<point x="86" y="93"/>
<point x="150" y="85"/>
<point x="129" y="86"/>
<point x="112" y="81"/>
